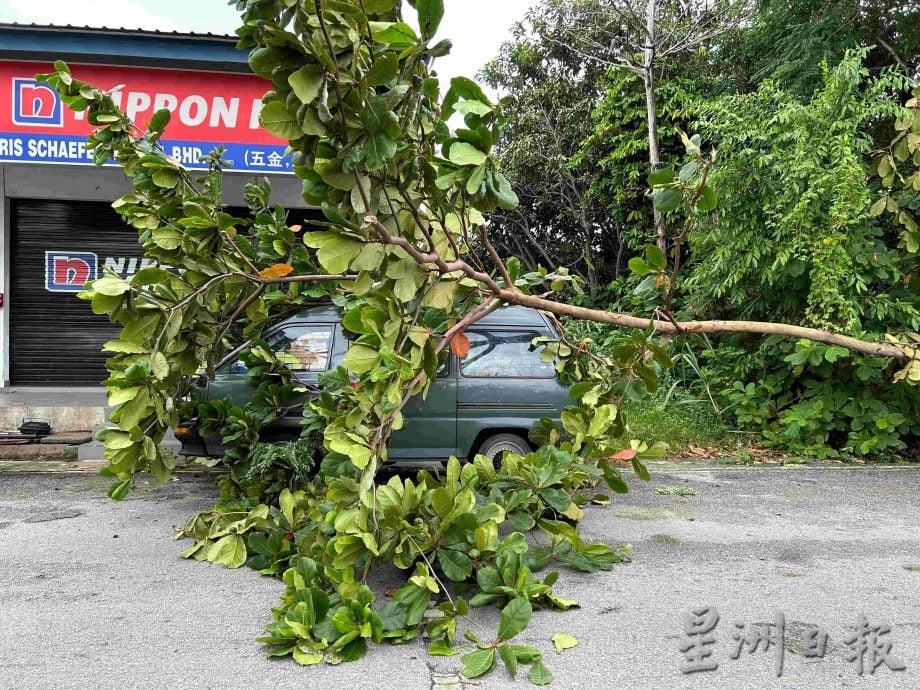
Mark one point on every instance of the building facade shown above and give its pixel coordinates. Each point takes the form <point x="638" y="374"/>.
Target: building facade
<point x="57" y="227"/>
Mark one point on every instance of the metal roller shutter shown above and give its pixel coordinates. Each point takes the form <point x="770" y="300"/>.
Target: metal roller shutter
<point x="55" y="339"/>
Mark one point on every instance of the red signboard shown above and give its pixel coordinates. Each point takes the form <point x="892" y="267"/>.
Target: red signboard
<point x="209" y="109"/>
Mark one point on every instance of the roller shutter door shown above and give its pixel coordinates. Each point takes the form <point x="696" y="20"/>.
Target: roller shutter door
<point x="55" y="339"/>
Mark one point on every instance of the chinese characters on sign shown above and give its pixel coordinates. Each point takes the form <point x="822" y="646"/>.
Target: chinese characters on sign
<point x="868" y="648"/>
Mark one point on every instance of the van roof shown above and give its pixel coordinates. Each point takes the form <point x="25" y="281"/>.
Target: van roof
<point x="505" y="316"/>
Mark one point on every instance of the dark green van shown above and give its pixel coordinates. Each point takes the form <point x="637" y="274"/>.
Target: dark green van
<point x="485" y="403"/>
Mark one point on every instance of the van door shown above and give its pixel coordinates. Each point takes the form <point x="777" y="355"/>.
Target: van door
<point x="503" y="385"/>
<point x="430" y="430"/>
<point x="305" y="347"/>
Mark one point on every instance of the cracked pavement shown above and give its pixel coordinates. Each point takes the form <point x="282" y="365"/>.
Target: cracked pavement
<point x="94" y="593"/>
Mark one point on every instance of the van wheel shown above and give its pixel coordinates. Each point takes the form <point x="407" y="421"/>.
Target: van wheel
<point x="495" y="446"/>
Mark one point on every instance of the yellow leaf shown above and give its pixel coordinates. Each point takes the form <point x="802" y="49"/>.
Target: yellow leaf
<point x="276" y="271"/>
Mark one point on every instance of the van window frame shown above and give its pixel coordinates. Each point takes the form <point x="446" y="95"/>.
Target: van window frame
<point x="538" y="332"/>
<point x="224" y="367"/>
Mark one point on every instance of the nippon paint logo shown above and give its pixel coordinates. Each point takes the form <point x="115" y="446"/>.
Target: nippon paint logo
<point x="36" y="104"/>
<point x="68" y="271"/>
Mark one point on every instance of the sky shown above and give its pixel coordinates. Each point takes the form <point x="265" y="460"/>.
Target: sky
<point x="476" y="27"/>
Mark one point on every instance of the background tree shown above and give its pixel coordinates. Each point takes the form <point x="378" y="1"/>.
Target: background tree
<point x="638" y="36"/>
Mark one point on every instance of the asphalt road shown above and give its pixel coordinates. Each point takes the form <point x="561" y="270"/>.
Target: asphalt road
<point x="94" y="594"/>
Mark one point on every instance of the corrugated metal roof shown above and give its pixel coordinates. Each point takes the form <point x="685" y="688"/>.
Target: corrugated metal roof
<point x="117" y="30"/>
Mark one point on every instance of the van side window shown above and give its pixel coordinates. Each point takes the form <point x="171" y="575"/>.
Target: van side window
<point x="505" y="354"/>
<point x="303" y="348"/>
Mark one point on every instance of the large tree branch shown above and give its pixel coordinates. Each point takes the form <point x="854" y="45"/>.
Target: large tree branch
<point x="667" y="327"/>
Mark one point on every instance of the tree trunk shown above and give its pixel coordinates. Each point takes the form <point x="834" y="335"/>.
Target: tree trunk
<point x="651" y="106"/>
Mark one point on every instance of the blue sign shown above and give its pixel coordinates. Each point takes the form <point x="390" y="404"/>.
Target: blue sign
<point x="68" y="271"/>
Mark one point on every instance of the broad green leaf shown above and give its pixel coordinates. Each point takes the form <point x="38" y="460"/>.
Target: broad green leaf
<point x="462" y="153"/>
<point x="667" y="199"/>
<point x="111" y="286"/>
<point x="397" y="34"/>
<point x="514" y="618"/>
<point x="506" y="652"/>
<point x="307" y="83"/>
<point x="384" y="70"/>
<point x="441" y="648"/>
<point x="478" y="663"/>
<point x="279" y="121"/>
<point x="307" y="658"/>
<point x="360" y="359"/>
<point x="430" y="14"/>
<point x="708" y="199"/>
<point x="229" y="551"/>
<point x="456" y="565"/>
<point x="336" y="254"/>
<point x="379" y="148"/>
<point x="123" y="347"/>
<point x="661" y="177"/>
<point x="539" y="674"/>
<point x="159" y="366"/>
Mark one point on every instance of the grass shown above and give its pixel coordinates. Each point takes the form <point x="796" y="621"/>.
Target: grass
<point x="681" y="422"/>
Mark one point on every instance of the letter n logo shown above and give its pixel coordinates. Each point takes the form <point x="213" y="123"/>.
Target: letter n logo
<point x="36" y="104"/>
<point x="67" y="271"/>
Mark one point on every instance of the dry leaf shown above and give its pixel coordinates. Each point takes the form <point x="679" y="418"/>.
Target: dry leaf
<point x="625" y="454"/>
<point x="276" y="271"/>
<point x="460" y="345"/>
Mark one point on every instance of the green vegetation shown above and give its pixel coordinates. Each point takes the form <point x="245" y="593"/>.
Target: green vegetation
<point x="405" y="249"/>
<point x="802" y="125"/>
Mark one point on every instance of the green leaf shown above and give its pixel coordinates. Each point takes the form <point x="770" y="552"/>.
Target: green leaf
<point x="456" y="565"/>
<point x="111" y="286"/>
<point x="442" y="295"/>
<point x="441" y="648"/>
<point x="159" y="366"/>
<point x="361" y="359"/>
<point x="667" y="199"/>
<point x="336" y="254"/>
<point x="563" y="641"/>
<point x="279" y="121"/>
<point x="430" y="14"/>
<point x="307" y="658"/>
<point x="478" y="663"/>
<point x="397" y="34"/>
<point x="506" y="652"/>
<point x="307" y="82"/>
<point x="379" y="148"/>
<point x="661" y="177"/>
<point x="514" y="618"/>
<point x="159" y="120"/>
<point x="123" y="347"/>
<point x="708" y="199"/>
<point x="384" y="70"/>
<point x="462" y="153"/>
<point x="229" y="551"/>
<point x="539" y="674"/>
<point x="119" y="490"/>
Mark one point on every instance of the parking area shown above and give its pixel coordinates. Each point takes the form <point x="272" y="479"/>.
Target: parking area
<point x="95" y="593"/>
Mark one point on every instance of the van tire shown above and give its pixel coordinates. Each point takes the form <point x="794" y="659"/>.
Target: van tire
<point x="494" y="447"/>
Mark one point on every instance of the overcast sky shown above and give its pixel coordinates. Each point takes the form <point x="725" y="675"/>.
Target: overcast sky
<point x="477" y="27"/>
